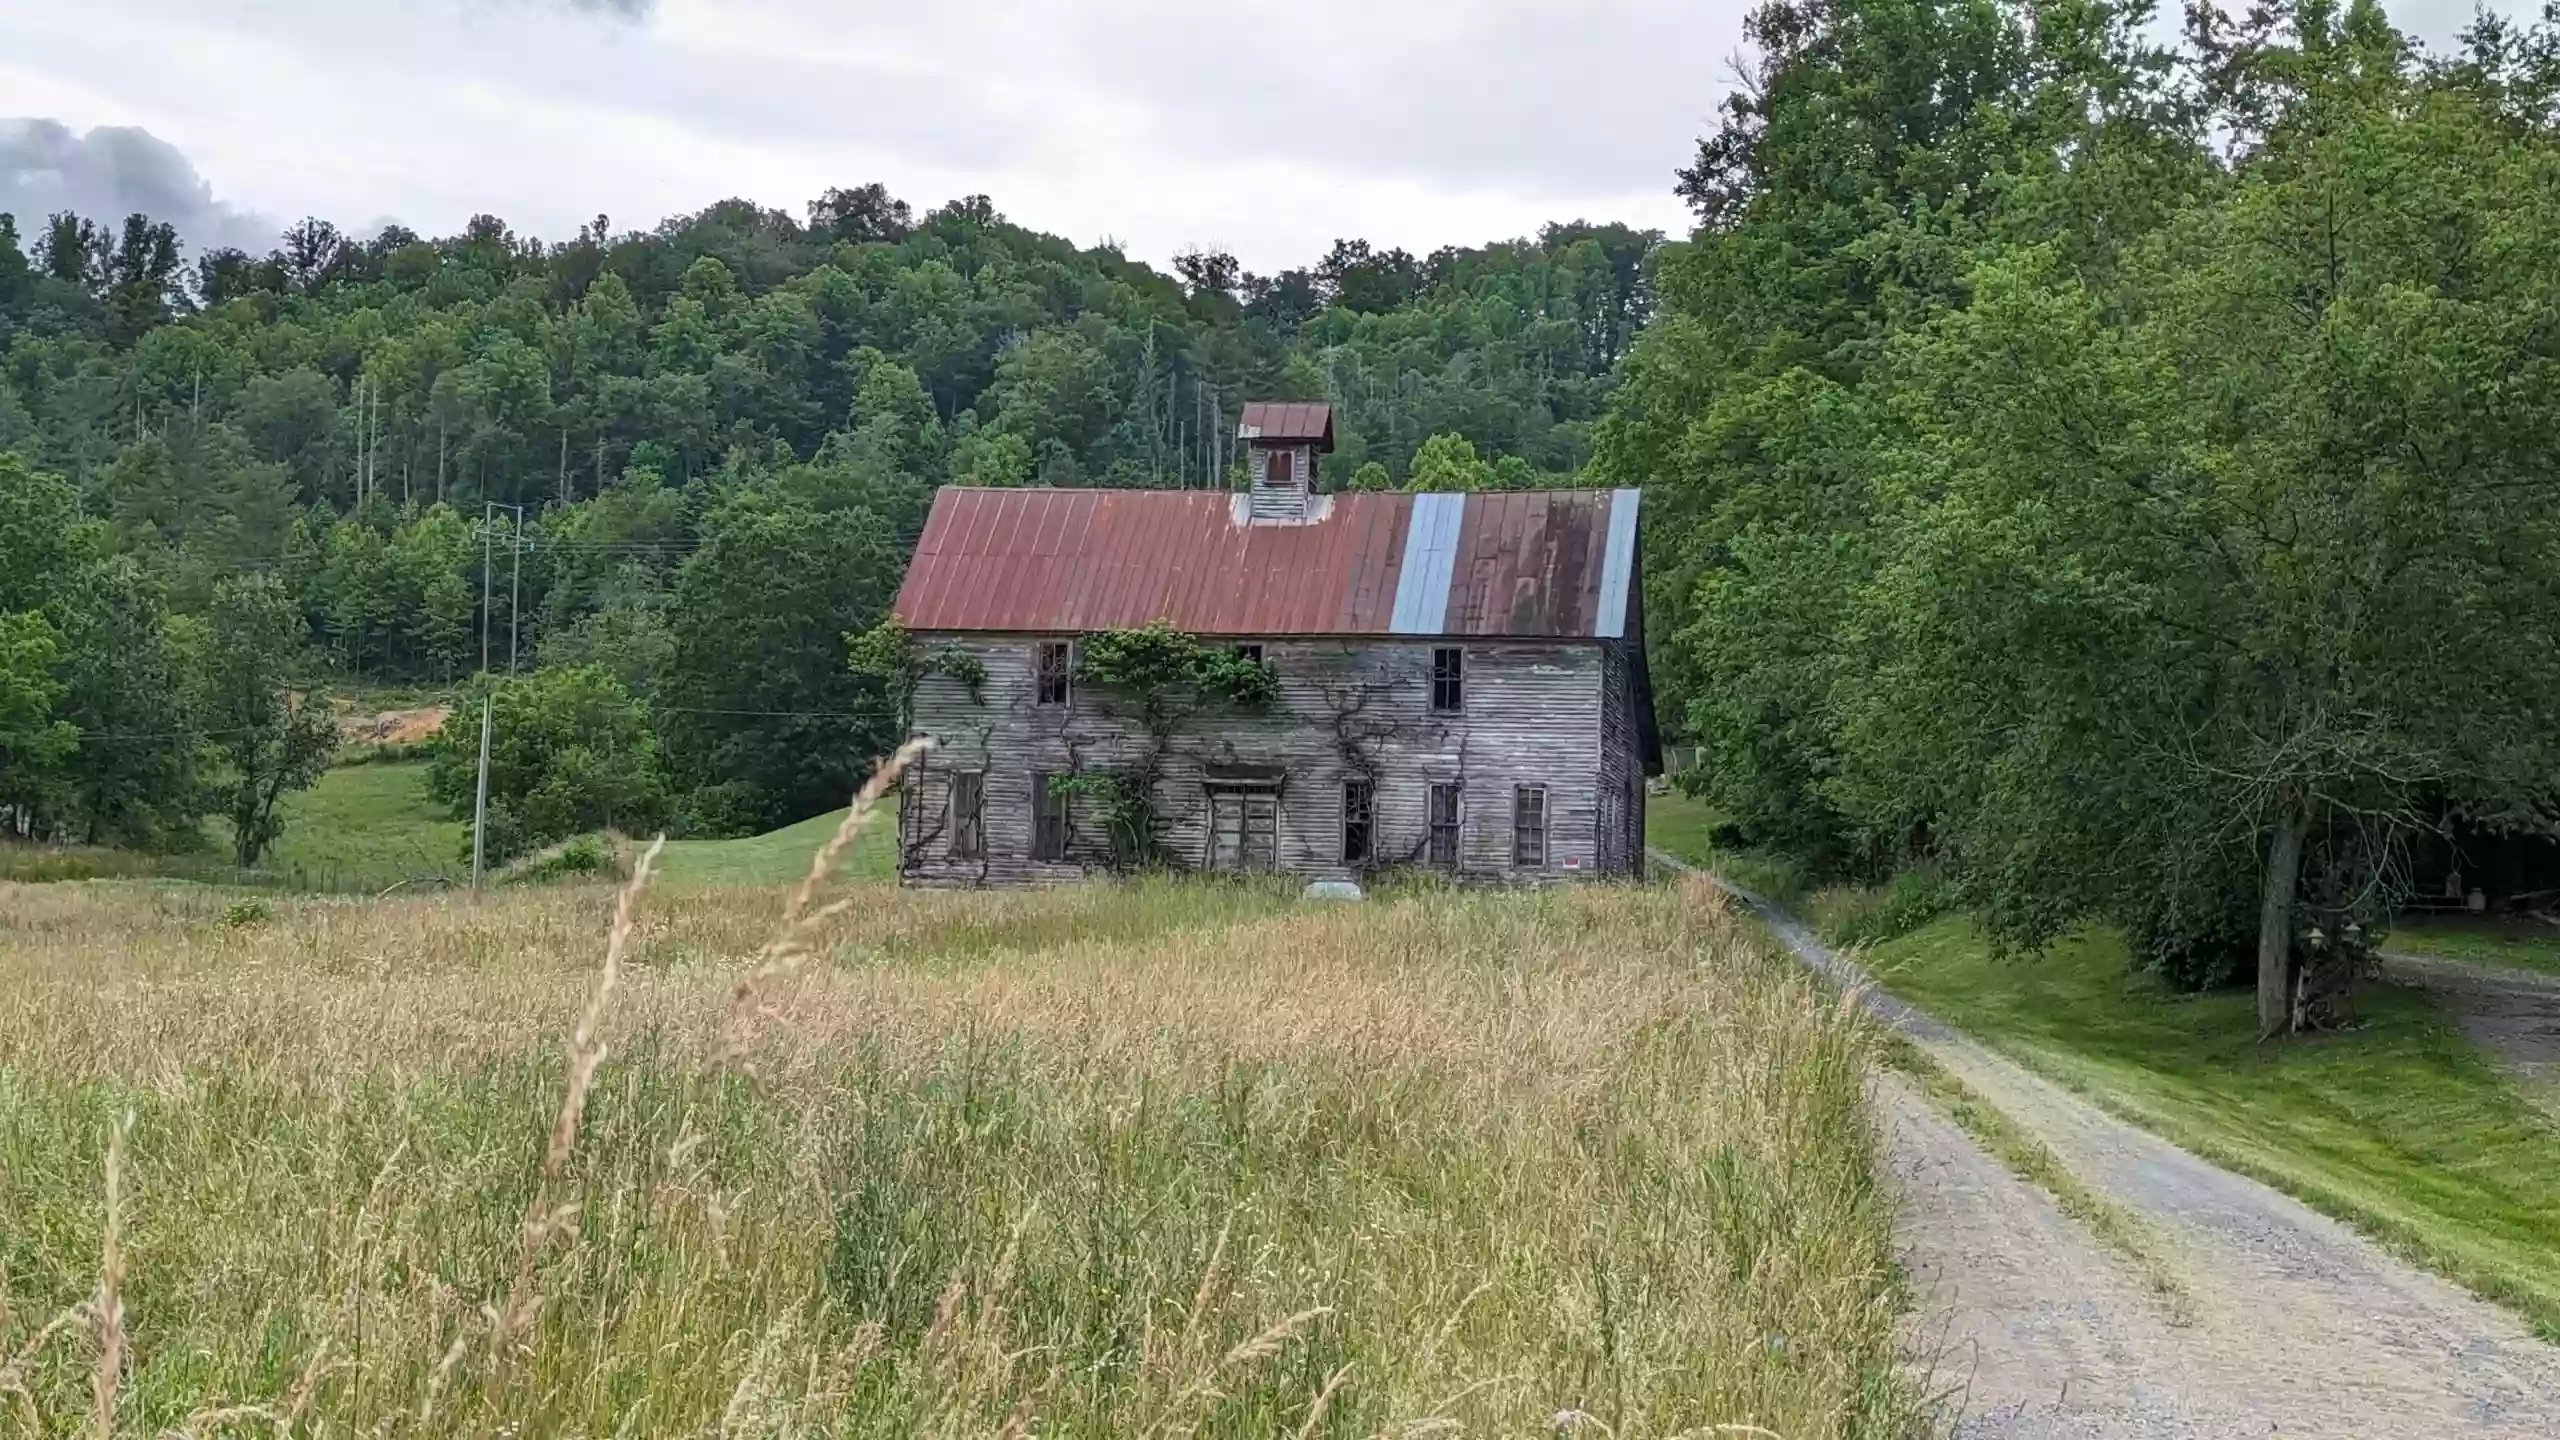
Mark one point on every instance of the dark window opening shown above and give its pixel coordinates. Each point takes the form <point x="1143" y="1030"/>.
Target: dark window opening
<point x="1282" y="470"/>
<point x="1359" y="821"/>
<point x="968" y="815"/>
<point x="1529" y="827"/>
<point x="1048" y="818"/>
<point x="1051" y="666"/>
<point x="1444" y="826"/>
<point x="1244" y="831"/>
<point x="1448" y="681"/>
<point x="1250" y="653"/>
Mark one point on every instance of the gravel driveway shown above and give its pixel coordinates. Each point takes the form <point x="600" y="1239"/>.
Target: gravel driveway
<point x="2294" y="1324"/>
<point x="2511" y="1013"/>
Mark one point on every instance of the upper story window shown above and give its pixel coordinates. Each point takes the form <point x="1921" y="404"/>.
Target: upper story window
<point x="1250" y="653"/>
<point x="1049" y="664"/>
<point x="1280" y="468"/>
<point x="1448" y="680"/>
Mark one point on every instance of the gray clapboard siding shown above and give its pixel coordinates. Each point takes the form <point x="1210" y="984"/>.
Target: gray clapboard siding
<point x="1536" y="713"/>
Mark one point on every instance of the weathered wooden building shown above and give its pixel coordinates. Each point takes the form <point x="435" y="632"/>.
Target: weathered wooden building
<point x="1461" y="678"/>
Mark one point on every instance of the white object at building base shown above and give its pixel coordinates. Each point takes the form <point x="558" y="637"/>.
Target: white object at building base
<point x="1335" y="890"/>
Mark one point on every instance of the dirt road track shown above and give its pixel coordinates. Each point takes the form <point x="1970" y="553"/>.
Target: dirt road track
<point x="2510" y="1013"/>
<point x="2294" y="1325"/>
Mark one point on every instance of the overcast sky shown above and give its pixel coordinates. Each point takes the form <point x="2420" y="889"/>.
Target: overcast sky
<point x="1265" y="126"/>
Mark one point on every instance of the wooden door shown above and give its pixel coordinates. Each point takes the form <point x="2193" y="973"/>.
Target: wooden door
<point x="1226" y="830"/>
<point x="1244" y="831"/>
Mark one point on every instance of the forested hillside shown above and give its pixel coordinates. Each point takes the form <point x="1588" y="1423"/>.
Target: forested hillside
<point x="2126" y="476"/>
<point x="723" y="434"/>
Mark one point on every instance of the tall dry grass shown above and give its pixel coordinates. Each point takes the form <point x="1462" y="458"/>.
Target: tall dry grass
<point x="1160" y="1159"/>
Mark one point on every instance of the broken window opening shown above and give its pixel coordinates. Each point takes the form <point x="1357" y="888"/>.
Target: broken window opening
<point x="1359" y="821"/>
<point x="1048" y="818"/>
<point x="1448" y="680"/>
<point x="968" y="815"/>
<point x="1051" y="665"/>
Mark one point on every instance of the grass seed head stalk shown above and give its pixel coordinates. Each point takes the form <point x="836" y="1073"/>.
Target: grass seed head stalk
<point x="110" y="1307"/>
<point x="544" y="1216"/>
<point x="788" y="950"/>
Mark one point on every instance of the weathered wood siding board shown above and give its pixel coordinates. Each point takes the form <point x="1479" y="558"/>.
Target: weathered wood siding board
<point x="1535" y="714"/>
<point x="1621" y="765"/>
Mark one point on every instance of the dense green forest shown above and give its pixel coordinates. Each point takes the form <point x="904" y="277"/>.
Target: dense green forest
<point x="712" y="444"/>
<point x="2119" y="475"/>
<point x="2113" y="473"/>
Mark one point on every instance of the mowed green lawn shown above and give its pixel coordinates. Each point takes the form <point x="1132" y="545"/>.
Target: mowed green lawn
<point x="2483" y="940"/>
<point x="363" y="826"/>
<point x="2399" y="1126"/>
<point x="374" y="826"/>
<point x="1686" y="827"/>
<point x="782" y="856"/>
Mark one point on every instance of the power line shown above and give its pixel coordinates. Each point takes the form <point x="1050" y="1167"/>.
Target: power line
<point x="775" y="714"/>
<point x="86" y="737"/>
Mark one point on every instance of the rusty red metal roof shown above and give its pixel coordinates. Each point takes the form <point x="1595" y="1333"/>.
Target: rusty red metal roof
<point x="1274" y="420"/>
<point x="1528" y="564"/>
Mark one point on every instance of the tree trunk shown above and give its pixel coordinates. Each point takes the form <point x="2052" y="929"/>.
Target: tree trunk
<point x="2275" y="920"/>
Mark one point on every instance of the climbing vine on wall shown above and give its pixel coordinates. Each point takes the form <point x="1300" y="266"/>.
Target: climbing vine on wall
<point x="1124" y="801"/>
<point x="1161" y="678"/>
<point x="891" y="654"/>
<point x="1167" y="675"/>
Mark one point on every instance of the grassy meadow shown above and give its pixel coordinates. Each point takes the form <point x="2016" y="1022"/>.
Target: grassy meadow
<point x="1160" y="1158"/>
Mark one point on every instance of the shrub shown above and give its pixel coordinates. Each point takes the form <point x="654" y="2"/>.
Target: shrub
<point x="571" y="751"/>
<point x="580" y="857"/>
<point x="2199" y="938"/>
<point x="1871" y="915"/>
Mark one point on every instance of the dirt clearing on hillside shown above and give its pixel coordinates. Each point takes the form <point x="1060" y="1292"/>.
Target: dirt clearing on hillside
<point x="393" y="727"/>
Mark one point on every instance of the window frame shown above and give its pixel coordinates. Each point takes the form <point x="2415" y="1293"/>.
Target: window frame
<point x="1050" y="827"/>
<point x="1528" y="836"/>
<point x="1063" y="677"/>
<point x="1249" y="650"/>
<point x="1453" y="828"/>
<point x="968" y="821"/>
<point x="1360" y="818"/>
<point x="1448" y="680"/>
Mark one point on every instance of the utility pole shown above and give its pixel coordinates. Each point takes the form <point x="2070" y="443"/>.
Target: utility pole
<point x="515" y="581"/>
<point x="488" y="527"/>
<point x="488" y="697"/>
<point x="480" y="800"/>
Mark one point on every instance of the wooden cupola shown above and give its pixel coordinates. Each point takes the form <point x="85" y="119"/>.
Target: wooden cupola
<point x="1284" y="446"/>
